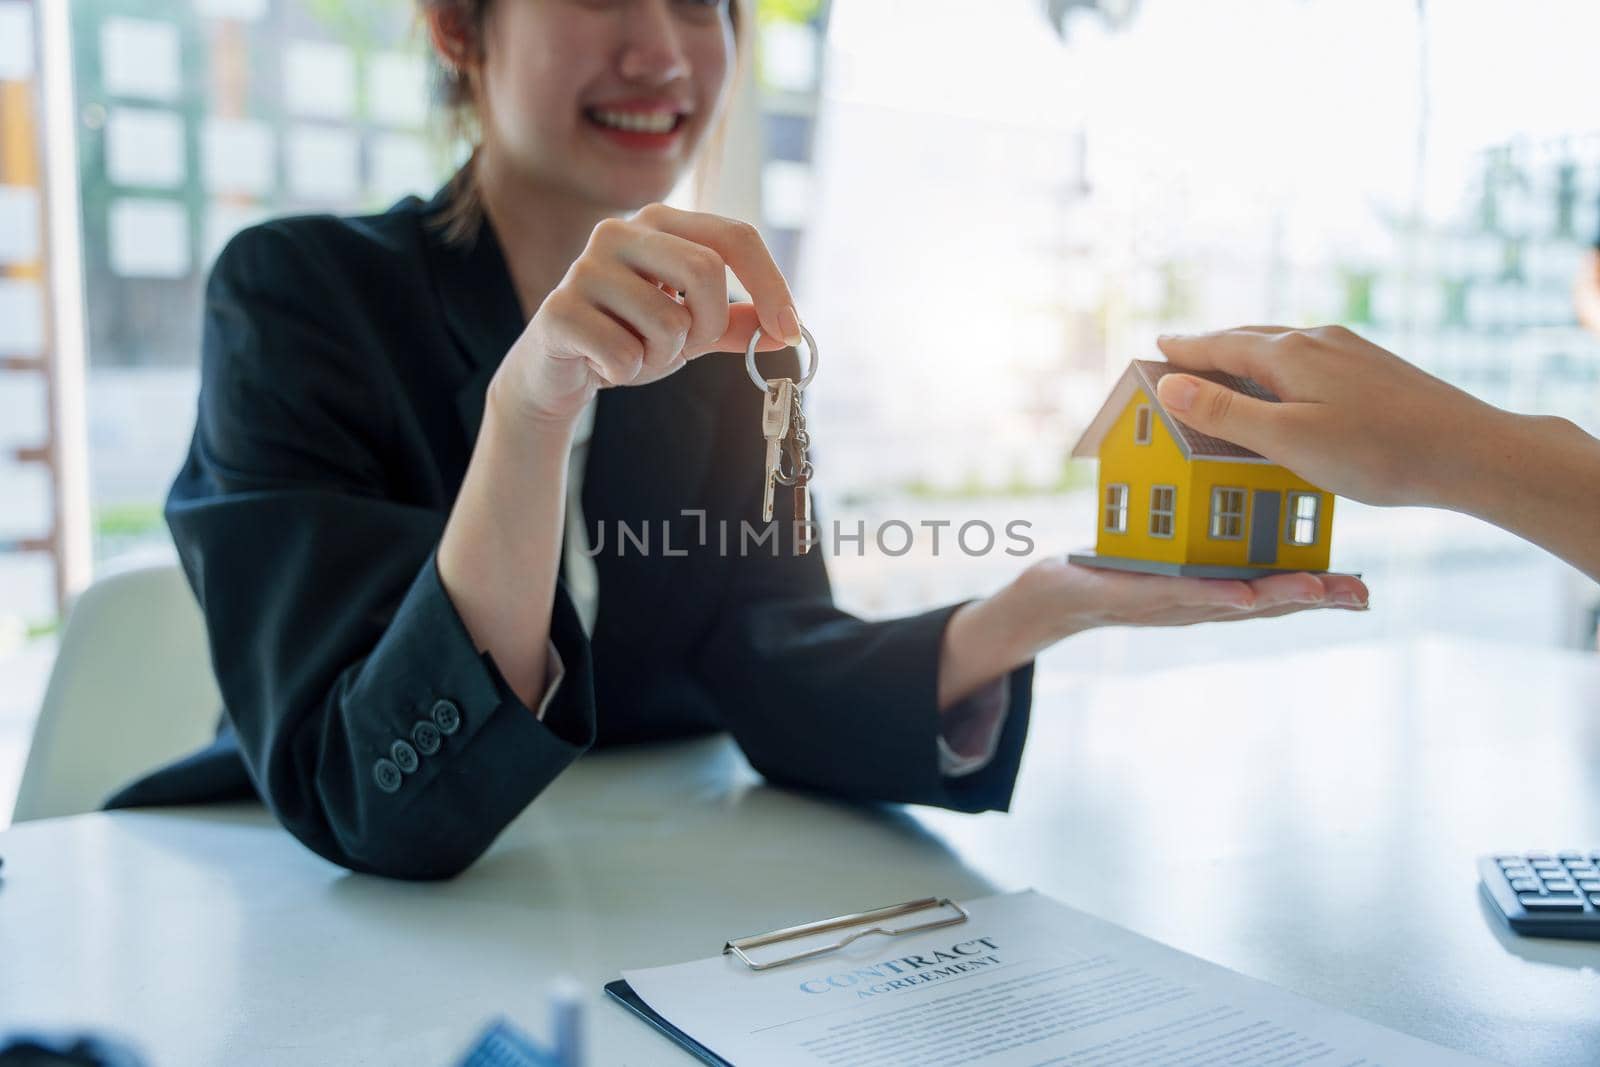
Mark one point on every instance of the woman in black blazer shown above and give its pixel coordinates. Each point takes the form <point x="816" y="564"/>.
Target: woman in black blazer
<point x="374" y="511"/>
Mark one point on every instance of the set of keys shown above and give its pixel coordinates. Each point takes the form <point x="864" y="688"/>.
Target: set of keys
<point x="783" y="425"/>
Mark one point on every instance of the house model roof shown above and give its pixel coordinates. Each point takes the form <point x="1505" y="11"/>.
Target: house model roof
<point x="1144" y="374"/>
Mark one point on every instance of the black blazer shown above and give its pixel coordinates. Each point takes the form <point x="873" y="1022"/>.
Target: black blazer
<point x="343" y="378"/>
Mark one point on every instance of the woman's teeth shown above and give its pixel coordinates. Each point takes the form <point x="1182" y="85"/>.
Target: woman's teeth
<point x="636" y="121"/>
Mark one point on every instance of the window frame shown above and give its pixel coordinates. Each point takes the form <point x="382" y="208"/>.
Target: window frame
<point x="1292" y="517"/>
<point x="1170" y="513"/>
<point x="1143" y="425"/>
<point x="1121" y="507"/>
<point x="1239" y="516"/>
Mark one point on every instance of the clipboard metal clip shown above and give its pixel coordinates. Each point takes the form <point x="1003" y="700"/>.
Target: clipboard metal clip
<point x="876" y="917"/>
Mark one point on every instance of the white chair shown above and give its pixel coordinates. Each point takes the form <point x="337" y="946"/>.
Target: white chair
<point x="131" y="689"/>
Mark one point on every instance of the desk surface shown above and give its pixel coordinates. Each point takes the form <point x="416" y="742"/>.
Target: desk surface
<point x="1311" y="821"/>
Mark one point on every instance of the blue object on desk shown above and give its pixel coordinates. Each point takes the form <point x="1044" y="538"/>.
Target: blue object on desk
<point x="503" y="1045"/>
<point x="1540" y="894"/>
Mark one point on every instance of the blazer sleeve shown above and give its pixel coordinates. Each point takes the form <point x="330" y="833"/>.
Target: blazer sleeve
<point x="368" y="720"/>
<point x="820" y="699"/>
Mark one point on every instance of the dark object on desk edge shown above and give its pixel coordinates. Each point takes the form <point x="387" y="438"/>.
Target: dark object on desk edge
<point x="19" y="1049"/>
<point x="623" y="994"/>
<point x="1544" y="894"/>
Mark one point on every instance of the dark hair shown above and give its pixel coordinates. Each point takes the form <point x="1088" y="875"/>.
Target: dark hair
<point x="456" y="92"/>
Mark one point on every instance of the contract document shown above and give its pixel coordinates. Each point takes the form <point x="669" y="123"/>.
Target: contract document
<point x="1024" y="981"/>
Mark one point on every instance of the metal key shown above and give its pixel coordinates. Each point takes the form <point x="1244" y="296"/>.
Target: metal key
<point x="799" y="442"/>
<point x="777" y="405"/>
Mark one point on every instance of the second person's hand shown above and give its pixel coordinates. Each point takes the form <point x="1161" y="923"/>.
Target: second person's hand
<point x="1360" y="421"/>
<point x="1354" y="418"/>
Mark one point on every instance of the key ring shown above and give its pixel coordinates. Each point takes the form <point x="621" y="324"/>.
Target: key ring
<point x="750" y="360"/>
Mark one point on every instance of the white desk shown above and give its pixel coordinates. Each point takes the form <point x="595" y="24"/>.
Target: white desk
<point x="1311" y="821"/>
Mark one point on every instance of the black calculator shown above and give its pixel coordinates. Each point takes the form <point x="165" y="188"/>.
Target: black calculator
<point x="1545" y="894"/>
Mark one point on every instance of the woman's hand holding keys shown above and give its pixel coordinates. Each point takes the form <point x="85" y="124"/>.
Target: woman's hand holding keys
<point x="617" y="317"/>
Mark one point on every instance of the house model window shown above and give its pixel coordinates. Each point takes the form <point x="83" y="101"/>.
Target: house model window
<point x="1301" y="527"/>
<point x="1141" y="425"/>
<point x="1163" y="507"/>
<point x="1227" y="514"/>
<point x="1116" y="509"/>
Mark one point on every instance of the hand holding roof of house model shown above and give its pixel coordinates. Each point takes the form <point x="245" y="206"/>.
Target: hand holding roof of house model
<point x="1338" y="410"/>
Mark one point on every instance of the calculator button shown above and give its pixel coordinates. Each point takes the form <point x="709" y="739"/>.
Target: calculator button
<point x="1518" y="872"/>
<point x="1538" y="855"/>
<point x="1545" y="865"/>
<point x="1569" y="855"/>
<point x="1583" y="872"/>
<point x="1594" y="898"/>
<point x="1509" y="861"/>
<point x="1589" y="886"/>
<point x="1529" y="885"/>
<point x="1564" y="902"/>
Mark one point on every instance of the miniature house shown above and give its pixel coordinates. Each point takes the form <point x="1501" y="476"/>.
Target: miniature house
<point x="1177" y="501"/>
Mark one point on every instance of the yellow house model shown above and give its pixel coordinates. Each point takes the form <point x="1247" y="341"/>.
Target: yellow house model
<point x="1177" y="501"/>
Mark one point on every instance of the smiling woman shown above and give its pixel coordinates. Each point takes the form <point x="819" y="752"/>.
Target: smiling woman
<point x="561" y="94"/>
<point x="413" y="424"/>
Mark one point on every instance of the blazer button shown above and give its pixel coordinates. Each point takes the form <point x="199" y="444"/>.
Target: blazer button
<point x="404" y="756"/>
<point x="387" y="775"/>
<point x="426" y="737"/>
<point x="447" y="717"/>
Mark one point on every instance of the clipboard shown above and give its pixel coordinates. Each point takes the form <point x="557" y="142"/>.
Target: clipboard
<point x="621" y="992"/>
<point x="740" y="948"/>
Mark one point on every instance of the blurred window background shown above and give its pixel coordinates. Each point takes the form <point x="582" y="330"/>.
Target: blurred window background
<point x="987" y="209"/>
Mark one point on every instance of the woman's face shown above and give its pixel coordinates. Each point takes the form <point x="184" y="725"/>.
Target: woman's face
<point x="607" y="100"/>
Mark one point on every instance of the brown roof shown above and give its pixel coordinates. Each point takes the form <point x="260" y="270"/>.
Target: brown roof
<point x="1143" y="374"/>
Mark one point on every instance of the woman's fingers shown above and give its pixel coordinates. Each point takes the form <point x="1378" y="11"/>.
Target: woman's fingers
<point x="1346" y="590"/>
<point x="614" y="351"/>
<point x="661" y="324"/>
<point x="742" y="249"/>
<point x="742" y="324"/>
<point x="692" y="269"/>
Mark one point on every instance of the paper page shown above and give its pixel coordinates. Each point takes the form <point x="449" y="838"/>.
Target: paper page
<point x="148" y="238"/>
<point x="19" y="224"/>
<point x="319" y="79"/>
<point x="140" y="57"/>
<point x="238" y="156"/>
<point x="144" y="146"/>
<point x="324" y="163"/>
<point x="21" y="317"/>
<point x="397" y="90"/>
<point x="400" y="165"/>
<point x="243" y="10"/>
<point x="16" y="41"/>
<point x="1026" y="981"/>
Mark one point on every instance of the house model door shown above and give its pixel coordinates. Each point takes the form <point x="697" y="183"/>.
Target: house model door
<point x="1264" y="512"/>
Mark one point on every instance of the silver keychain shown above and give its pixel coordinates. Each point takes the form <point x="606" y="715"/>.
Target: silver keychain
<point x="783" y="426"/>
